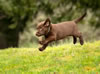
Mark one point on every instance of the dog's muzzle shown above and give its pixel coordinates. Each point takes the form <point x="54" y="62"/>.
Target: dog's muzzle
<point x="37" y="34"/>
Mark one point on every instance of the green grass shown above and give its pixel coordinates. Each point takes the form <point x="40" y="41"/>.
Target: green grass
<point x="61" y="59"/>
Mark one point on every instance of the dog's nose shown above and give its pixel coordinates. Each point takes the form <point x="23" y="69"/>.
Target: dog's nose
<point x="36" y="34"/>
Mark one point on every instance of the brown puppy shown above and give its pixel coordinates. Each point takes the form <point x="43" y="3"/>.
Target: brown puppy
<point x="53" y="32"/>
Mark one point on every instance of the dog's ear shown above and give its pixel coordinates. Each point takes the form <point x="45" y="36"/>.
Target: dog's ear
<point x="47" y="22"/>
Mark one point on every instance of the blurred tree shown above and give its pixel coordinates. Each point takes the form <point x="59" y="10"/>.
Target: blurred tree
<point x="14" y="15"/>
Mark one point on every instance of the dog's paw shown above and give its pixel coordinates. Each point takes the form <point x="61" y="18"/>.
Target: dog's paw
<point x="74" y="42"/>
<point x="41" y="49"/>
<point x="41" y="42"/>
<point x="81" y="42"/>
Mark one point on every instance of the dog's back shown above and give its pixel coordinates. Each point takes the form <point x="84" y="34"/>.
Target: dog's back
<point x="64" y="29"/>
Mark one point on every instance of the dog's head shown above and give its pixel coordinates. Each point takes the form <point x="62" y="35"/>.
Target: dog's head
<point x="43" y="27"/>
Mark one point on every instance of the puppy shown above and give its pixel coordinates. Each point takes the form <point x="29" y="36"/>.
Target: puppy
<point x="53" y="32"/>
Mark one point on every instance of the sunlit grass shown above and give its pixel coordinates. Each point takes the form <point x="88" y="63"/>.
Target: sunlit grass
<point x="60" y="59"/>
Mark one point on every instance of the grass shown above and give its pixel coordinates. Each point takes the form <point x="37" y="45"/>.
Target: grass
<point x="61" y="59"/>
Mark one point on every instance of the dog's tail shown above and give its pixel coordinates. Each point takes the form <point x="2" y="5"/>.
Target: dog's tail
<point x="80" y="18"/>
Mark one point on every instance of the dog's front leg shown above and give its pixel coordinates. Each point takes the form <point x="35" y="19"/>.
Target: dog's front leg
<point x="46" y="42"/>
<point x="41" y="40"/>
<point x="43" y="47"/>
<point x="74" y="39"/>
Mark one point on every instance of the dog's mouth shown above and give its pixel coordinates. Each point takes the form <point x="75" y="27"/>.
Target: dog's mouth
<point x="37" y="34"/>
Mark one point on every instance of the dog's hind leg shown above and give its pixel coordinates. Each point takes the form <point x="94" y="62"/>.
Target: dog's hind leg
<point x="78" y="34"/>
<point x="74" y="39"/>
<point x="81" y="40"/>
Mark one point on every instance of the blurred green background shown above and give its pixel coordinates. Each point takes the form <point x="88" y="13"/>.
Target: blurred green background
<point x="18" y="19"/>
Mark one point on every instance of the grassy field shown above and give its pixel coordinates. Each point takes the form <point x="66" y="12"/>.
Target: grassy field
<point x="61" y="59"/>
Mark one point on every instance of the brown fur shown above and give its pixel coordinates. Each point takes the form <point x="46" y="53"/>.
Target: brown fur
<point x="53" y="32"/>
